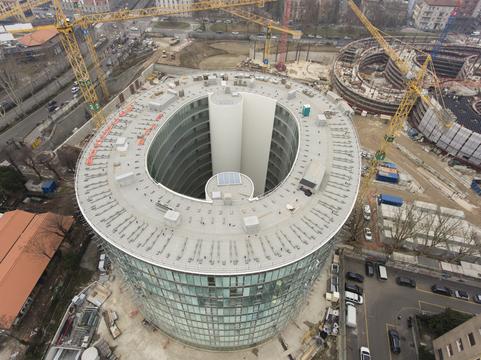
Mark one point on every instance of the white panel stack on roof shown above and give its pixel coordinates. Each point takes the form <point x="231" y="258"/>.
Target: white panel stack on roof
<point x="425" y="206"/>
<point x="452" y="212"/>
<point x="390" y="212"/>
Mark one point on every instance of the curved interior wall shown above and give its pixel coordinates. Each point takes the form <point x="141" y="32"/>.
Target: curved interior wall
<point x="180" y="156"/>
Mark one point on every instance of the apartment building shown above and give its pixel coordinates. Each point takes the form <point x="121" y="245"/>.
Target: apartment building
<point x="86" y="6"/>
<point x="461" y="343"/>
<point x="174" y="4"/>
<point x="432" y="15"/>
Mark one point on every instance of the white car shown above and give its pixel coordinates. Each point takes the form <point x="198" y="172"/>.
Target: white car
<point x="365" y="354"/>
<point x="367" y="234"/>
<point x="366" y="210"/>
<point x="75" y="89"/>
<point x="235" y="33"/>
<point x="353" y="297"/>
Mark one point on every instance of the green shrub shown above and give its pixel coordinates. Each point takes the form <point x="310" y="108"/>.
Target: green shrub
<point x="439" y="324"/>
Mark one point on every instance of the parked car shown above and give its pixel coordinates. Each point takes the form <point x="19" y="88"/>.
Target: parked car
<point x="394" y="341"/>
<point x="350" y="275"/>
<point x="461" y="294"/>
<point x="381" y="271"/>
<point x="52" y="106"/>
<point x="354" y="288"/>
<point x="477" y="298"/>
<point x="6" y="106"/>
<point x="365" y="354"/>
<point x="235" y="33"/>
<point x="75" y="89"/>
<point x="440" y="289"/>
<point x="367" y="234"/>
<point x="366" y="210"/>
<point x="369" y="268"/>
<point x="405" y="281"/>
<point x="353" y="297"/>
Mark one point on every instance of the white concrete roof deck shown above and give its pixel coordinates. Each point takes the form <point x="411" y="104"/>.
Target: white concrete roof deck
<point x="210" y="238"/>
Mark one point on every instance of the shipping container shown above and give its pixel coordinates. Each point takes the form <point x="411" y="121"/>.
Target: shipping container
<point x="476" y="186"/>
<point x="387" y="177"/>
<point x="390" y="200"/>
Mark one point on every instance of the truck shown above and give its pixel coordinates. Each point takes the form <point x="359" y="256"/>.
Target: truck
<point x="389" y="177"/>
<point x="351" y="315"/>
<point x="390" y="200"/>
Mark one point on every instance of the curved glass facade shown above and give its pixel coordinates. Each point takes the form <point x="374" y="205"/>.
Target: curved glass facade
<point x="220" y="312"/>
<point x="180" y="155"/>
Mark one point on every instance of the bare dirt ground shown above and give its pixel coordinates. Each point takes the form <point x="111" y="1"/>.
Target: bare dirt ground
<point x="370" y="132"/>
<point x="213" y="55"/>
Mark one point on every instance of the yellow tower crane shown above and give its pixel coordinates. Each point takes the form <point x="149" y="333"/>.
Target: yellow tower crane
<point x="414" y="77"/>
<point x="66" y="26"/>
<point x="268" y="24"/>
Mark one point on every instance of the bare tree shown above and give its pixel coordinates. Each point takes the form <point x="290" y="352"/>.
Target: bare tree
<point x="471" y="245"/>
<point x="11" y="154"/>
<point x="9" y="82"/>
<point x="27" y="158"/>
<point x="356" y="223"/>
<point x="48" y="160"/>
<point x="43" y="243"/>
<point x="437" y="230"/>
<point x="309" y="13"/>
<point x="68" y="156"/>
<point x="405" y="224"/>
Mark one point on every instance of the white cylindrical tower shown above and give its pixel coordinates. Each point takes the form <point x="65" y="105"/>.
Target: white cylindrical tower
<point x="225" y="120"/>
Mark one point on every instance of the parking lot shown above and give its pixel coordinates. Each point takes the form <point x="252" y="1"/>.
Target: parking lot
<point x="388" y="306"/>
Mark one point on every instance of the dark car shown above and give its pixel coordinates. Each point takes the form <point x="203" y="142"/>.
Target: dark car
<point x="52" y="105"/>
<point x="394" y="341"/>
<point x="6" y="106"/>
<point x="461" y="294"/>
<point x="354" y="276"/>
<point x="405" y="281"/>
<point x="354" y="288"/>
<point x="369" y="268"/>
<point x="440" y="289"/>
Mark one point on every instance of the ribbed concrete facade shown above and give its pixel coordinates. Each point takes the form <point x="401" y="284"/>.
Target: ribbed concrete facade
<point x="462" y="140"/>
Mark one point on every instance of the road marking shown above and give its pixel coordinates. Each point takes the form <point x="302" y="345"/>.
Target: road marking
<point x="448" y="297"/>
<point x="441" y="306"/>
<point x="365" y="321"/>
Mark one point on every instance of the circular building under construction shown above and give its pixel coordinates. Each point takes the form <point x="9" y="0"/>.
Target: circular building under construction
<point x="370" y="82"/>
<point x="219" y="197"/>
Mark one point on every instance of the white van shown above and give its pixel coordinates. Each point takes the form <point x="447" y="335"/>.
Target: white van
<point x="353" y="297"/>
<point x="351" y="315"/>
<point x="381" y="272"/>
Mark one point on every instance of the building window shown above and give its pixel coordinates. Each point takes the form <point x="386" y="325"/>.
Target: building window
<point x="449" y="349"/>
<point x="440" y="354"/>
<point x="459" y="344"/>
<point x="472" y="342"/>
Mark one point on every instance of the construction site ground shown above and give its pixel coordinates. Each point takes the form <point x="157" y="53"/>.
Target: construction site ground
<point x="371" y="132"/>
<point x="211" y="55"/>
<point x="143" y="342"/>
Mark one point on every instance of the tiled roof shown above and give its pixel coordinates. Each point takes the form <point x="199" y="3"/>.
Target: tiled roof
<point x="38" y="37"/>
<point x="27" y="243"/>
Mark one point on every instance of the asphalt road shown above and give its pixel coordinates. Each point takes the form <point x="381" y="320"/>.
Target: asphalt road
<point x="388" y="305"/>
<point x="25" y="126"/>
